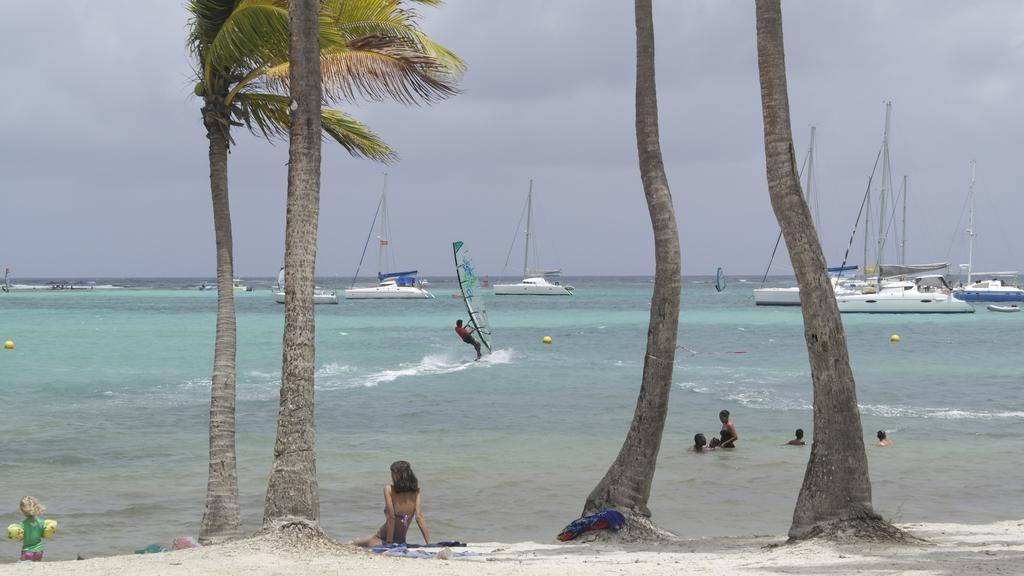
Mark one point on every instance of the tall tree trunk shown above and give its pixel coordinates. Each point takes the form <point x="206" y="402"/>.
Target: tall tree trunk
<point x="221" y="516"/>
<point x="292" y="492"/>
<point x="627" y="484"/>
<point x="836" y="492"/>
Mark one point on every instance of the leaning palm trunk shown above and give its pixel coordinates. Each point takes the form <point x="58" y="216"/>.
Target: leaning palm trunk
<point x="221" y="516"/>
<point x="836" y="494"/>
<point x="292" y="492"/>
<point x="627" y="484"/>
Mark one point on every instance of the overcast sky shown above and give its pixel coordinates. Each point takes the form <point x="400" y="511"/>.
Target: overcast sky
<point x="103" y="157"/>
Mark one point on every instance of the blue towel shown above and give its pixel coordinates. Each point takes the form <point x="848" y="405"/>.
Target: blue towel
<point x="604" y="519"/>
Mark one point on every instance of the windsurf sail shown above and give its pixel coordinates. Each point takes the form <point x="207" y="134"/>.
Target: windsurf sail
<point x="719" y="280"/>
<point x="468" y="283"/>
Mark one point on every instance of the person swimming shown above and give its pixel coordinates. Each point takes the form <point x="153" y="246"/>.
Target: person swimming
<point x="728" y="433"/>
<point x="699" y="443"/>
<point x="883" y="440"/>
<point x="799" y="440"/>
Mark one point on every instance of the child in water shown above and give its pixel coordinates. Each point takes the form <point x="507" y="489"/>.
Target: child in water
<point x="32" y="530"/>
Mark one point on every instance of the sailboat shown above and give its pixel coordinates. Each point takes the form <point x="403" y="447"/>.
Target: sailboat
<point x="790" y="296"/>
<point x="993" y="288"/>
<point x="923" y="294"/>
<point x="390" y="285"/>
<point x="320" y="295"/>
<point x="534" y="282"/>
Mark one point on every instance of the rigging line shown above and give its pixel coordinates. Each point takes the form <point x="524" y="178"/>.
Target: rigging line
<point x="765" y="277"/>
<point x="779" y="237"/>
<point x="514" y="238"/>
<point x="867" y="194"/>
<point x="368" y="235"/>
<point x="957" y="230"/>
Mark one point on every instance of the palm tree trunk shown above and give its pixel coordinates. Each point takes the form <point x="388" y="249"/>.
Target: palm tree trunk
<point x="836" y="492"/>
<point x="292" y="492"/>
<point x="627" y="484"/>
<point x="221" y="516"/>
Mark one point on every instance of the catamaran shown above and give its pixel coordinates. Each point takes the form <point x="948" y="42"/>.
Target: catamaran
<point x="534" y="282"/>
<point x="468" y="284"/>
<point x="390" y="285"/>
<point x="994" y="286"/>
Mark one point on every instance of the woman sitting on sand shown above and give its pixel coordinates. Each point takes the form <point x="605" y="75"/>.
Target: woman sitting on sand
<point x="401" y="505"/>
<point x="728" y="433"/>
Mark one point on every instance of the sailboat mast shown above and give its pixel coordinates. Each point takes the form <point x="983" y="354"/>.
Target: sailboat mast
<point x="970" y="230"/>
<point x="903" y="237"/>
<point x="382" y="237"/>
<point x="886" y="184"/>
<point x="810" y="178"/>
<point x="867" y="229"/>
<point x="529" y="217"/>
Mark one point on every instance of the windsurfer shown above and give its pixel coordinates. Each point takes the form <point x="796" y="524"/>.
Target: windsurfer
<point x="467" y="337"/>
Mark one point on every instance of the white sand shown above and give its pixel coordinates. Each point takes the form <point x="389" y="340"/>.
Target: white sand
<point x="953" y="549"/>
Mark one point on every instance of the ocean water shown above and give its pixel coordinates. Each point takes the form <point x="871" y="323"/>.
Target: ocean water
<point x="105" y="410"/>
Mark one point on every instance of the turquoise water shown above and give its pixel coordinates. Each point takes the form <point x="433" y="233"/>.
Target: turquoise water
<point x="106" y="395"/>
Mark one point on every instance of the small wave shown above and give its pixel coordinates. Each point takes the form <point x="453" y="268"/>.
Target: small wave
<point x="938" y="413"/>
<point x="429" y="365"/>
<point x="770" y="399"/>
<point x="333" y="369"/>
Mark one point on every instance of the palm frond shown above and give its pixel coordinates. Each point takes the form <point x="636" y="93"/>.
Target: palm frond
<point x="267" y="115"/>
<point x="377" y="68"/>
<point x="355" y="136"/>
<point x="254" y="35"/>
<point x="207" y="17"/>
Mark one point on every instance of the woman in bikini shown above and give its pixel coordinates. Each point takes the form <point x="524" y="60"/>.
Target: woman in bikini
<point x="401" y="506"/>
<point x="728" y="433"/>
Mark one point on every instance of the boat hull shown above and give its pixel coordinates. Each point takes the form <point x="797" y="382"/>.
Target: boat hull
<point x="918" y="304"/>
<point x="318" y="297"/>
<point x="777" y="296"/>
<point x="990" y="296"/>
<point x="531" y="290"/>
<point x="388" y="293"/>
<point x="997" y="308"/>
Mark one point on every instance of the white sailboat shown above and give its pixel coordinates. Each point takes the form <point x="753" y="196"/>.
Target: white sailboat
<point x="994" y="286"/>
<point x="534" y="282"/>
<point x="320" y="295"/>
<point x="390" y="285"/>
<point x="790" y="295"/>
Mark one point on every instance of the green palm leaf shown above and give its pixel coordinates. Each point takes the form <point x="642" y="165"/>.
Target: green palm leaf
<point x="267" y="114"/>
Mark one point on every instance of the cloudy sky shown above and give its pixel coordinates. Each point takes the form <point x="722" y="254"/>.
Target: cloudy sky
<point x="103" y="165"/>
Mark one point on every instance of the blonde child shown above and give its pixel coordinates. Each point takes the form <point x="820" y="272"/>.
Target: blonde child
<point x="33" y="529"/>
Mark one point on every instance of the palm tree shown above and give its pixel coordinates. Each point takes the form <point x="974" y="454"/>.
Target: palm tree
<point x="370" y="48"/>
<point x="836" y="494"/>
<point x="627" y="484"/>
<point x="292" y="492"/>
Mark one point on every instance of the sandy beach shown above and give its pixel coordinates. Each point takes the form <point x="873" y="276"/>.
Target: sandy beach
<point x="996" y="548"/>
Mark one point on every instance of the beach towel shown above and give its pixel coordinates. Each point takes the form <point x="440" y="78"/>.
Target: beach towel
<point x="420" y="550"/>
<point x="604" y="519"/>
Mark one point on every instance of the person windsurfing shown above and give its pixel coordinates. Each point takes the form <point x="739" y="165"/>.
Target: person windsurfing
<point x="467" y="337"/>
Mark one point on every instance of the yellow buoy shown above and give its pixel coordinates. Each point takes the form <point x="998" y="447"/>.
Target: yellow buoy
<point x="9" y="344"/>
<point x="894" y="338"/>
<point x="547" y="339"/>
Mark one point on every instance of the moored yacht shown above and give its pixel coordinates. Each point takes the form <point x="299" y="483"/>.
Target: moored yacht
<point x="924" y="295"/>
